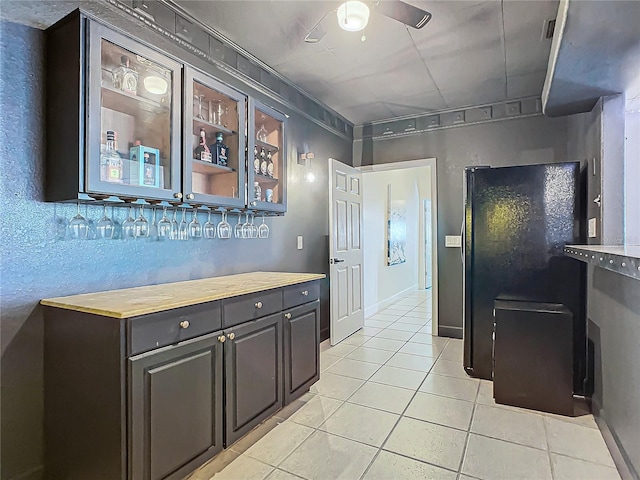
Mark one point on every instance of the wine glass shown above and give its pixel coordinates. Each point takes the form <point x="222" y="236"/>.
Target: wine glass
<point x="253" y="229"/>
<point x="78" y="226"/>
<point x="237" y="229"/>
<point x="174" y="225"/>
<point x="195" y="229"/>
<point x="105" y="226"/>
<point x="141" y="225"/>
<point x="209" y="228"/>
<point x="224" y="228"/>
<point x="153" y="228"/>
<point x="183" y="227"/>
<point x="164" y="226"/>
<point x="128" y="226"/>
<point x="200" y="97"/>
<point x="263" y="230"/>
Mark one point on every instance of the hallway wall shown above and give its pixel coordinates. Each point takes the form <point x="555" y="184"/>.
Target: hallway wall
<point x="383" y="284"/>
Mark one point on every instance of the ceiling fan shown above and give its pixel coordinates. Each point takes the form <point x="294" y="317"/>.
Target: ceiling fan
<point x="353" y="16"/>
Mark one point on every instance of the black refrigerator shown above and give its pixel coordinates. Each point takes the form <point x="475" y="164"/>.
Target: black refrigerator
<point x="517" y="221"/>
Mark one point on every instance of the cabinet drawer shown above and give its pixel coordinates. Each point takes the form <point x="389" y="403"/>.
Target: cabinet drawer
<point x="249" y="307"/>
<point x="173" y="326"/>
<point x="301" y="293"/>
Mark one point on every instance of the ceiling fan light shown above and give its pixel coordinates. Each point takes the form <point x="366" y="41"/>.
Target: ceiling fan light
<point x="353" y="16"/>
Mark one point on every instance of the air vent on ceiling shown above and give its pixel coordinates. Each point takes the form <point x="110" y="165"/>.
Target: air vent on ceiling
<point x="549" y="27"/>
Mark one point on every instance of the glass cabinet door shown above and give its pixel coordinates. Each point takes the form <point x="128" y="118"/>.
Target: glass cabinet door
<point x="133" y="128"/>
<point x="266" y="158"/>
<point x="214" y="142"/>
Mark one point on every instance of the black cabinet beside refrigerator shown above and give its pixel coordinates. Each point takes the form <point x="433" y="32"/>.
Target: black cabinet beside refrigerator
<point x="517" y="221"/>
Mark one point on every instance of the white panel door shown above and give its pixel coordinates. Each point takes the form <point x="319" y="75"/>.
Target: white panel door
<point x="345" y="248"/>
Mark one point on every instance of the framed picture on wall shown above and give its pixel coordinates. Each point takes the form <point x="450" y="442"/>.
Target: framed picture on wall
<point x="396" y="230"/>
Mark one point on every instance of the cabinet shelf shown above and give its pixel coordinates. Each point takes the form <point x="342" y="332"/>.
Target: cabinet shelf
<point x="128" y="103"/>
<point x="207" y="168"/>
<point x="263" y="180"/>
<point x="266" y="146"/>
<point x="199" y="123"/>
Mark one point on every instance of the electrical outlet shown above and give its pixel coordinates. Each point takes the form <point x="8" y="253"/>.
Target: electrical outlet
<point x="453" y="241"/>
<point x="299" y="242"/>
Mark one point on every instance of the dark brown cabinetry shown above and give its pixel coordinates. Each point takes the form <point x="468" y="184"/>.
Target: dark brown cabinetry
<point x="155" y="108"/>
<point x="154" y="396"/>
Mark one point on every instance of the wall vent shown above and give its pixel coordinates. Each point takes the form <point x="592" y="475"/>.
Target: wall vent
<point x="549" y="27"/>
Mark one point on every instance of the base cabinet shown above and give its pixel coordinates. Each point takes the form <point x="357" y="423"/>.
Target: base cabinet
<point x="175" y="408"/>
<point x="301" y="349"/>
<point x="253" y="374"/>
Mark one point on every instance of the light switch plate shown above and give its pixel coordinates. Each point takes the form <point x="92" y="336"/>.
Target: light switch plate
<point x="299" y="242"/>
<point x="453" y="241"/>
<point x="592" y="228"/>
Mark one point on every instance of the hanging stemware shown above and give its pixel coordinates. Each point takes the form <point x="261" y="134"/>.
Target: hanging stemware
<point x="78" y="226"/>
<point x="105" y="227"/>
<point x="164" y="226"/>
<point x="183" y="227"/>
<point x="174" y="225"/>
<point x="237" y="229"/>
<point x="195" y="229"/>
<point x="263" y="229"/>
<point x="141" y="225"/>
<point x="209" y="228"/>
<point x="128" y="226"/>
<point x="224" y="228"/>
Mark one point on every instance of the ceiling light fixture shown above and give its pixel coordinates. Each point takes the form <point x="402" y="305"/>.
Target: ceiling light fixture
<point x="353" y="16"/>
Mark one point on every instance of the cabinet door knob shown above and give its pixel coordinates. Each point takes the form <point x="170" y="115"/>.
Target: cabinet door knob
<point x="184" y="324"/>
<point x="222" y="338"/>
<point x="231" y="336"/>
<point x="259" y="305"/>
<point x="305" y="293"/>
<point x="177" y="195"/>
<point x="190" y="196"/>
<point x="287" y="316"/>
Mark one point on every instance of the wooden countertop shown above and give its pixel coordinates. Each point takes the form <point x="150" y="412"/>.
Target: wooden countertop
<point x="131" y="302"/>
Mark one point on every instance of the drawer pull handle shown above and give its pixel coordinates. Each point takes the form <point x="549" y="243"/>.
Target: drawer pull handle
<point x="231" y="336"/>
<point x="184" y="324"/>
<point x="287" y="316"/>
<point x="222" y="338"/>
<point x="305" y="292"/>
<point x="259" y="305"/>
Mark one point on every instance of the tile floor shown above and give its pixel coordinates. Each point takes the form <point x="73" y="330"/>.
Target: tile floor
<point x="393" y="403"/>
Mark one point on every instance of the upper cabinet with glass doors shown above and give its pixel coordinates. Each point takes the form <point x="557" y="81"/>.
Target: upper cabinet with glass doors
<point x="214" y="142"/>
<point x="266" y="158"/>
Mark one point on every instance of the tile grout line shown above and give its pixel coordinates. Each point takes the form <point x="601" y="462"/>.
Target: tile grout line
<point x="468" y="435"/>
<point x="546" y="438"/>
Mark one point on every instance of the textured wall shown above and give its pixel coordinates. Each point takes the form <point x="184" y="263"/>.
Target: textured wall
<point x="510" y="142"/>
<point x="36" y="265"/>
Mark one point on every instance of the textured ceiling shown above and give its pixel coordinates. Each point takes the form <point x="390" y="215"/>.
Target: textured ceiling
<point x="472" y="52"/>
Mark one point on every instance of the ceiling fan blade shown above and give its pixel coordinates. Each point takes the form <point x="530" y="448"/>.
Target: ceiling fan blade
<point x="403" y="12"/>
<point x="318" y="31"/>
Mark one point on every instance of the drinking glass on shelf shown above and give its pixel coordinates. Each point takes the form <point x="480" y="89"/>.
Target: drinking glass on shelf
<point x="183" y="227"/>
<point x="238" y="229"/>
<point x="199" y="115"/>
<point x="128" y="226"/>
<point x="78" y="226"/>
<point x="262" y="133"/>
<point x="195" y="229"/>
<point x="263" y="229"/>
<point x="105" y="227"/>
<point x="164" y="226"/>
<point x="174" y="225"/>
<point x="224" y="228"/>
<point x="209" y="228"/>
<point x="141" y="225"/>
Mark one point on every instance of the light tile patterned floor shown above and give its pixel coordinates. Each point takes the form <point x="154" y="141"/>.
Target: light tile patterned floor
<point x="394" y="403"/>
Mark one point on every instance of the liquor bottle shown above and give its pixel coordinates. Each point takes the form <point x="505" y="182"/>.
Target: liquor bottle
<point x="202" y="151"/>
<point x="263" y="162"/>
<point x="111" y="164"/>
<point x="269" y="164"/>
<point x="256" y="160"/>
<point x="257" y="192"/>
<point x="220" y="150"/>
<point x="125" y="78"/>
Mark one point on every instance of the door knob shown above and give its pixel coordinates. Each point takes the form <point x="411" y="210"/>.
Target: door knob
<point x="287" y="316"/>
<point x="184" y="324"/>
<point x="231" y="336"/>
<point x="259" y="305"/>
<point x="222" y="338"/>
<point x="190" y="196"/>
<point x="177" y="195"/>
<point x="336" y="260"/>
<point x="305" y="293"/>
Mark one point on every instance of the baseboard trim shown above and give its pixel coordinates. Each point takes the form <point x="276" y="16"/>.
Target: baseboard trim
<point x="618" y="453"/>
<point x="446" y="331"/>
<point x="381" y="305"/>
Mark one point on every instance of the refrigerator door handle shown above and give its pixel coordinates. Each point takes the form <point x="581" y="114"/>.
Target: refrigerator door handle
<point x="462" y="241"/>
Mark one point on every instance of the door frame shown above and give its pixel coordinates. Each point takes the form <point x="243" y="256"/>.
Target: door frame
<point x="425" y="162"/>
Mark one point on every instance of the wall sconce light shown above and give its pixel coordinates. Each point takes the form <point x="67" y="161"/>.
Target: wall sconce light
<point x="305" y="159"/>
